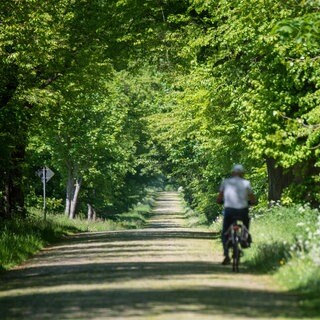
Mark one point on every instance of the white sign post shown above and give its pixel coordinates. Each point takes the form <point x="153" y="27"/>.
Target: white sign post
<point x="45" y="175"/>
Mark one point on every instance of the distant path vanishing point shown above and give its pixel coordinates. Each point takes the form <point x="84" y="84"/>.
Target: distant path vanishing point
<point x="164" y="271"/>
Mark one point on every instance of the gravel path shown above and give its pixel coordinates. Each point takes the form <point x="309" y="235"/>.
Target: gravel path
<point x="165" y="271"/>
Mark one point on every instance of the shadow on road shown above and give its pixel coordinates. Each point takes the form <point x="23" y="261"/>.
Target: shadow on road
<point x="128" y="302"/>
<point x="131" y="274"/>
<point x="141" y="235"/>
<point x="74" y="290"/>
<point x="95" y="273"/>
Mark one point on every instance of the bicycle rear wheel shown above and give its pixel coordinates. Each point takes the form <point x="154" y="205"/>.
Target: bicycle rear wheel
<point x="235" y="256"/>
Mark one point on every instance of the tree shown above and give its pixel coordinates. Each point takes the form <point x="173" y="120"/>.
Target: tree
<point x="247" y="93"/>
<point x="32" y="45"/>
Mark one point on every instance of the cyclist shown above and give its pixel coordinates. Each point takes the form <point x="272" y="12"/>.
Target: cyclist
<point x="236" y="195"/>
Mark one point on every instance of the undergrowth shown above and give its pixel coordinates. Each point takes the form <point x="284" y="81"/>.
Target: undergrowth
<point x="293" y="235"/>
<point x="286" y="244"/>
<point x="192" y="217"/>
<point x="21" y="238"/>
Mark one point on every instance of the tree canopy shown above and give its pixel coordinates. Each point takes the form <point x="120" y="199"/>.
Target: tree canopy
<point x="113" y="95"/>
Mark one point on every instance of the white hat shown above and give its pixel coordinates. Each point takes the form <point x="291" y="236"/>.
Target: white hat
<point x="238" y="168"/>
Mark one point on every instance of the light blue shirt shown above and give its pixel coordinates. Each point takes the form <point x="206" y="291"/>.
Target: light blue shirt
<point x="236" y="192"/>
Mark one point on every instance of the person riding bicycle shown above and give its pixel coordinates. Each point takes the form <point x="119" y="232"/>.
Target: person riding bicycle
<point x="236" y="195"/>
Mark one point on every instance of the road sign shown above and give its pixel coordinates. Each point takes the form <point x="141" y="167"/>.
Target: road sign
<point x="45" y="174"/>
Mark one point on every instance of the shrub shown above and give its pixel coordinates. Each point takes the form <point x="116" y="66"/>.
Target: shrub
<point x="19" y="238"/>
<point x="286" y="243"/>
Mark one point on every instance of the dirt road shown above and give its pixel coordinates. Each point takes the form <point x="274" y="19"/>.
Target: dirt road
<point x="165" y="271"/>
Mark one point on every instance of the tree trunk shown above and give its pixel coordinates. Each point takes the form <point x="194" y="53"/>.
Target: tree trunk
<point x="69" y="192"/>
<point x="94" y="216"/>
<point x="278" y="180"/>
<point x="11" y="172"/>
<point x="13" y="196"/>
<point x="7" y="196"/>
<point x="91" y="213"/>
<point x="74" y="201"/>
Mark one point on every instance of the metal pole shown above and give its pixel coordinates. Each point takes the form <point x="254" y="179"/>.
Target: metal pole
<point x="44" y="177"/>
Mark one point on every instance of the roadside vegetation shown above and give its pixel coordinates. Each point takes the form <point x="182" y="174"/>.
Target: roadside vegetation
<point x="21" y="238"/>
<point x="286" y="245"/>
<point x="176" y="89"/>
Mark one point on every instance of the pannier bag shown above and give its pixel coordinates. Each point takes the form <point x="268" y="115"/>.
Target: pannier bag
<point x="245" y="238"/>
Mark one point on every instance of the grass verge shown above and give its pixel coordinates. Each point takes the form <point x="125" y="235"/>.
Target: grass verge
<point x="192" y="217"/>
<point x="21" y="238"/>
<point x="287" y="246"/>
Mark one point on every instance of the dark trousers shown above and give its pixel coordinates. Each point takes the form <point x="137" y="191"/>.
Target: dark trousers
<point x="232" y="215"/>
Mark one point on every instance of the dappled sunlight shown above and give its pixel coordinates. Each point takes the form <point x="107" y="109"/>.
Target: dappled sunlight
<point x="160" y="272"/>
<point x="110" y="301"/>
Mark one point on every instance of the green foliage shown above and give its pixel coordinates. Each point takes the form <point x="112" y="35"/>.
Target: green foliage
<point x="116" y="94"/>
<point x="193" y="218"/>
<point x="193" y="86"/>
<point x="277" y="229"/>
<point x="286" y="243"/>
<point x="95" y="138"/>
<point x="302" y="277"/>
<point x="20" y="238"/>
<point x="53" y="205"/>
<point x="245" y="90"/>
<point x="73" y="96"/>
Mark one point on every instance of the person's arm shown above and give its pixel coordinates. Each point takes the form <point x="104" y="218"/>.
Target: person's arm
<point x="221" y="195"/>
<point x="220" y="198"/>
<point x="252" y="199"/>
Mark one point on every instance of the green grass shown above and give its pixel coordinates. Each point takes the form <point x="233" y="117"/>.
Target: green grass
<point x="20" y="239"/>
<point x="286" y="245"/>
<point x="192" y="217"/>
<point x="302" y="277"/>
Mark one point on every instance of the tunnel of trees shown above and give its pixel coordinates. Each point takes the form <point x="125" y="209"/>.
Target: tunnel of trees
<point x="113" y="95"/>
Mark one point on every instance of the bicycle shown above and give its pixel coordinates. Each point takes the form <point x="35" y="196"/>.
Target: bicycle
<point x="238" y="238"/>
